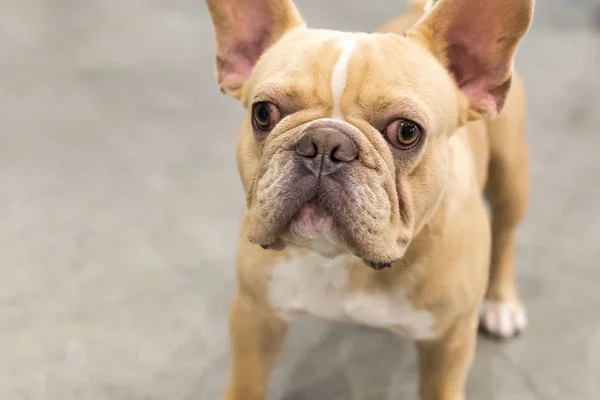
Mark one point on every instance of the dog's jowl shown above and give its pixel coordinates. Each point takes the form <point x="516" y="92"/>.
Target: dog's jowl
<point x="366" y="159"/>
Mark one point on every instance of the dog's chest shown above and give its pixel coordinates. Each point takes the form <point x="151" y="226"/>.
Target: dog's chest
<point x="311" y="284"/>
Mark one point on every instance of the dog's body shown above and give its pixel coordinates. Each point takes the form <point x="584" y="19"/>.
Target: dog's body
<point x="327" y="197"/>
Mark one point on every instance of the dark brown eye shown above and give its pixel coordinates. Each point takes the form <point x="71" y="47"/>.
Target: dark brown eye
<point x="265" y="116"/>
<point x="403" y="134"/>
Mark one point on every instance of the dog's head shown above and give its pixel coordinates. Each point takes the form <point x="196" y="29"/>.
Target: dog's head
<point x="345" y="144"/>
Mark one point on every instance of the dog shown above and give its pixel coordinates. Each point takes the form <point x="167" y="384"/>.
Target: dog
<point x="366" y="160"/>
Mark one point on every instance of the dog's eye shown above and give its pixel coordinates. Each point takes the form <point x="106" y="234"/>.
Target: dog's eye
<point x="265" y="116"/>
<point x="403" y="134"/>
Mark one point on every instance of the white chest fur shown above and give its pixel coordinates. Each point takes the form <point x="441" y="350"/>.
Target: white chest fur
<point x="309" y="283"/>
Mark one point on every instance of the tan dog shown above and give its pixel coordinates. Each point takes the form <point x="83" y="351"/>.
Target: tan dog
<point x="364" y="158"/>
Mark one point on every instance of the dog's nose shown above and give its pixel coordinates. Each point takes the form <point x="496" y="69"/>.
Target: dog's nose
<point x="325" y="150"/>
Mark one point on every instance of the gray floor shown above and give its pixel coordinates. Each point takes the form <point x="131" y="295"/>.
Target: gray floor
<point x="119" y="204"/>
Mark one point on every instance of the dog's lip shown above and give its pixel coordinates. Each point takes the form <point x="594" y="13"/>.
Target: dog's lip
<point x="378" y="266"/>
<point x="312" y="217"/>
<point x="312" y="211"/>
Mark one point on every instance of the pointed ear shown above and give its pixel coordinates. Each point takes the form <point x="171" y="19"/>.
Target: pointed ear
<point x="244" y="29"/>
<point x="476" y="41"/>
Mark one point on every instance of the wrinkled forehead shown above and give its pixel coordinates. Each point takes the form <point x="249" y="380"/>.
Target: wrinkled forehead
<point x="340" y="69"/>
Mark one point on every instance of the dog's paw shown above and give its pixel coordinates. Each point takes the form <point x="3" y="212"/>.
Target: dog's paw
<point x="503" y="319"/>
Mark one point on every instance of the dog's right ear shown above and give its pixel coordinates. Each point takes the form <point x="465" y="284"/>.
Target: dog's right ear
<point x="244" y="29"/>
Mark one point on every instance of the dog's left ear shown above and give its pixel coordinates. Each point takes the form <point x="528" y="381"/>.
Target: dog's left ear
<point x="476" y="41"/>
<point x="244" y="30"/>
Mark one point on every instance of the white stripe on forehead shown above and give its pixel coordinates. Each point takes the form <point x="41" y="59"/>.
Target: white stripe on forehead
<point x="340" y="73"/>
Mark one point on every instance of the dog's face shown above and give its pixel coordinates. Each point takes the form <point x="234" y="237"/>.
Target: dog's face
<point x="345" y="144"/>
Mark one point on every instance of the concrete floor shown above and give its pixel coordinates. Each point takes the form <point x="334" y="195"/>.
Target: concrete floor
<point x="119" y="205"/>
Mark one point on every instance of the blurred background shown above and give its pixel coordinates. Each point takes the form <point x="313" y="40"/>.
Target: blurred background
<point x="120" y="203"/>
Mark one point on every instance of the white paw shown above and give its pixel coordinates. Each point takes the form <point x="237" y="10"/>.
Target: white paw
<point x="503" y="319"/>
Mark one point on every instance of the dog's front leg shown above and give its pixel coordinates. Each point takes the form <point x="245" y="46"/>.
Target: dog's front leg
<point x="256" y="337"/>
<point x="444" y="363"/>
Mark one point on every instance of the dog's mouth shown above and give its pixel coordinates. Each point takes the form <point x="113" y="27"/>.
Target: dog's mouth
<point x="314" y="227"/>
<point x="332" y="215"/>
<point x="311" y="221"/>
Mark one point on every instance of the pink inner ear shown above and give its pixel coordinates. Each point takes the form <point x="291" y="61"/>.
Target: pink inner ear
<point x="250" y="21"/>
<point x="238" y="60"/>
<point x="478" y="59"/>
<point x="478" y="79"/>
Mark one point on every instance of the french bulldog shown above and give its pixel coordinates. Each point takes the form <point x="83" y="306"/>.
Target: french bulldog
<point x="367" y="160"/>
